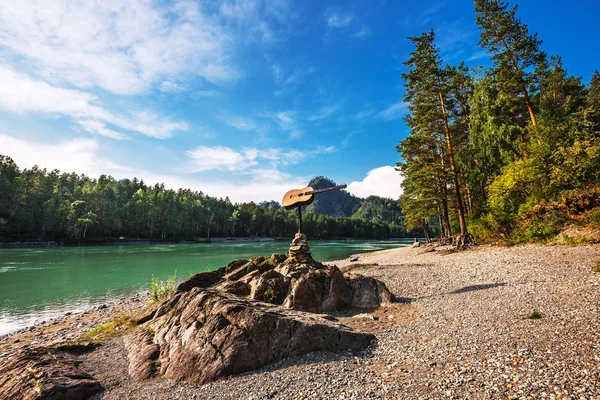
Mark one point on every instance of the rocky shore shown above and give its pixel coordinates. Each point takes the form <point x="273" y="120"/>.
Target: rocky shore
<point x="520" y="322"/>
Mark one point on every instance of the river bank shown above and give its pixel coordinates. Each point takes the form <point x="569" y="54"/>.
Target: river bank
<point x="460" y="329"/>
<point x="137" y="242"/>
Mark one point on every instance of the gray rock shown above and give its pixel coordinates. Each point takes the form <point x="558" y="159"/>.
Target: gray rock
<point x="208" y="334"/>
<point x="43" y="373"/>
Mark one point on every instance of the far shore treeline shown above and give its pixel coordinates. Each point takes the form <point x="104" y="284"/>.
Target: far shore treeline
<point x="39" y="205"/>
<point x="510" y="152"/>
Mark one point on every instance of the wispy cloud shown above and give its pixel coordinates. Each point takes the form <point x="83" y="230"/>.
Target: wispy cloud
<point x="262" y="21"/>
<point x="324" y="112"/>
<point x="362" y="33"/>
<point x="249" y="161"/>
<point x="237" y="121"/>
<point x="338" y="19"/>
<point x="394" y="111"/>
<point x="289" y="79"/>
<point x="221" y="158"/>
<point x="425" y="17"/>
<point x="99" y="128"/>
<point x="21" y="94"/>
<point x="366" y="112"/>
<point x="478" y="55"/>
<point x="122" y="47"/>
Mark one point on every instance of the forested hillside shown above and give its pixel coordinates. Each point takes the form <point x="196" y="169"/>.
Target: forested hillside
<point x="336" y="203"/>
<point x="490" y="150"/>
<point x="36" y="204"/>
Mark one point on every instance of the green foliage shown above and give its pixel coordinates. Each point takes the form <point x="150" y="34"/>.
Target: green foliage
<point x="540" y="228"/>
<point x="526" y="135"/>
<point x="269" y="294"/>
<point x="535" y="314"/>
<point x="160" y="290"/>
<point x="116" y="327"/>
<point x="594" y="217"/>
<point x="42" y="205"/>
<point x="267" y="264"/>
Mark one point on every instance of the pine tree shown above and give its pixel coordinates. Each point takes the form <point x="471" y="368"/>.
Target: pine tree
<point x="516" y="52"/>
<point x="433" y="112"/>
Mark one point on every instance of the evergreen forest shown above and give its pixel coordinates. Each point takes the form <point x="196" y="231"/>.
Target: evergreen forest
<point x="509" y="152"/>
<point x="48" y="205"/>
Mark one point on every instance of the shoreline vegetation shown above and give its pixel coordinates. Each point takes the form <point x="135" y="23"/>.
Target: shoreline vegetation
<point x="442" y="297"/>
<point x="508" y="152"/>
<point x="143" y="242"/>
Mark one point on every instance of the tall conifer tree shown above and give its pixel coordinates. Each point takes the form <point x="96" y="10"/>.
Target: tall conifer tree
<point x="427" y="85"/>
<point x="516" y="52"/>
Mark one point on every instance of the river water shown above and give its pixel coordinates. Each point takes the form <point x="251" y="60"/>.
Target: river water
<point x="37" y="284"/>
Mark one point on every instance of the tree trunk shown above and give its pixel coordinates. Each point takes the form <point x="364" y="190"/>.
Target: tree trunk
<point x="464" y="235"/>
<point x="426" y="232"/>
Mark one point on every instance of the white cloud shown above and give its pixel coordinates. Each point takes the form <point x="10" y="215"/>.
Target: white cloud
<point x="364" y="32"/>
<point x="260" y="20"/>
<point x="339" y="20"/>
<point x="237" y="121"/>
<point x="383" y="181"/>
<point x="290" y="79"/>
<point x="82" y="156"/>
<point x="122" y="47"/>
<point x="222" y="158"/>
<point x="296" y="134"/>
<point x="78" y="155"/>
<point x="21" y="94"/>
<point x="394" y="111"/>
<point x="215" y="158"/>
<point x="365" y="113"/>
<point x="324" y="112"/>
<point x="100" y="128"/>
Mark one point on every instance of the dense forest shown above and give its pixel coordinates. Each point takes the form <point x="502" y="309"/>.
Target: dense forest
<point x="39" y="205"/>
<point x="509" y="152"/>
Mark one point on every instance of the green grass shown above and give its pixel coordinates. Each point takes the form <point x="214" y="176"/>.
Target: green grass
<point x="116" y="327"/>
<point x="269" y="295"/>
<point x="160" y="290"/>
<point x="535" y="314"/>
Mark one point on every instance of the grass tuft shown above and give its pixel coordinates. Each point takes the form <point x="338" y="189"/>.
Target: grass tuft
<point x="535" y="314"/>
<point x="160" y="290"/>
<point x="596" y="267"/>
<point x="116" y="327"/>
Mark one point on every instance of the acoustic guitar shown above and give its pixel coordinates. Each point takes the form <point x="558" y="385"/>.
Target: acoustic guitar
<point x="303" y="197"/>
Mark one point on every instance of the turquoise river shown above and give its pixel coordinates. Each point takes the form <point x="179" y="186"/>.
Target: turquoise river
<point x="37" y="284"/>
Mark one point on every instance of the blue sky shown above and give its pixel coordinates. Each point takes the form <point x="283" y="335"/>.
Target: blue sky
<point x="243" y="98"/>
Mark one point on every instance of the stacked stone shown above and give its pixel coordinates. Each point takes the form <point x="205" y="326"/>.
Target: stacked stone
<point x="299" y="250"/>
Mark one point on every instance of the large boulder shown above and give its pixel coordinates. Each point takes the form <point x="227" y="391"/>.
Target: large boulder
<point x="43" y="373"/>
<point x="297" y="282"/>
<point x="204" y="334"/>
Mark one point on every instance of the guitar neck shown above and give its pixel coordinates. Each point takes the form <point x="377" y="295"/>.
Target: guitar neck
<point x="326" y="189"/>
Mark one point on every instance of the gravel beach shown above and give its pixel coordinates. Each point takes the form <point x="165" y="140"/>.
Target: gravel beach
<point x="459" y="330"/>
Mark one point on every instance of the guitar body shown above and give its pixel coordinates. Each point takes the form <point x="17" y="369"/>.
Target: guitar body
<point x="298" y="198"/>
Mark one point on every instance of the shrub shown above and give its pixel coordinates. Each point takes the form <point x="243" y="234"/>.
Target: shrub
<point x="594" y="217"/>
<point x="535" y="314"/>
<point x="116" y="327"/>
<point x="160" y="290"/>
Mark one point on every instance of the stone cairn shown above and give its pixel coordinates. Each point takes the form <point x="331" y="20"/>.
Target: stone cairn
<point x="299" y="250"/>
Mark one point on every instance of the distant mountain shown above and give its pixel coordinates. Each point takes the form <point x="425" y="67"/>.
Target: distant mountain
<point x="337" y="203"/>
<point x="340" y="203"/>
<point x="273" y="205"/>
